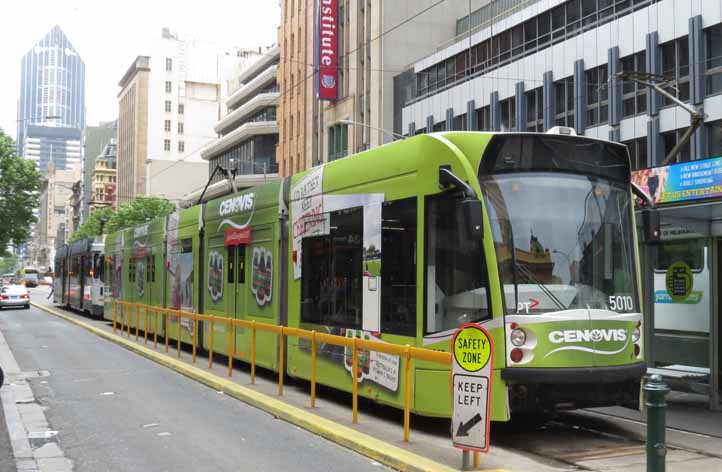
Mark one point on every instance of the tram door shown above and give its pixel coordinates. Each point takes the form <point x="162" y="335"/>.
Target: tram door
<point x="236" y="288"/>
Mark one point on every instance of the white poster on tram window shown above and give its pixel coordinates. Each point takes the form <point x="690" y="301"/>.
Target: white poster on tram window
<point x="306" y="213"/>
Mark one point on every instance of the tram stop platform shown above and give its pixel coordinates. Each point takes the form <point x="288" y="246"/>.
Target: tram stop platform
<point x="607" y="439"/>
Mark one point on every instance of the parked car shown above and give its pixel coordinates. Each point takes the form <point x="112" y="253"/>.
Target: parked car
<point x="14" y="296"/>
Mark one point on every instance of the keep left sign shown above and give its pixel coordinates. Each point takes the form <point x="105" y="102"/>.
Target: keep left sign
<point x="472" y="350"/>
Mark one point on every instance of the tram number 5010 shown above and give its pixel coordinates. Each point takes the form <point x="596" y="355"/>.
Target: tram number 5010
<point x="621" y="303"/>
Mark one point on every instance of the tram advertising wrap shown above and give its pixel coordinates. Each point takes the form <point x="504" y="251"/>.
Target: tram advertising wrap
<point x="529" y="236"/>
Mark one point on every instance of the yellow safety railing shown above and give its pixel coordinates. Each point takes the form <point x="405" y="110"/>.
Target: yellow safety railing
<point x="123" y="311"/>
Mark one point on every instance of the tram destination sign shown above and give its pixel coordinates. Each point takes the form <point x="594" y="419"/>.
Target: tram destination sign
<point x="472" y="360"/>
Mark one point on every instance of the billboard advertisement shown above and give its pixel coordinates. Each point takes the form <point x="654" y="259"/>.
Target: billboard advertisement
<point x="685" y="181"/>
<point x="327" y="50"/>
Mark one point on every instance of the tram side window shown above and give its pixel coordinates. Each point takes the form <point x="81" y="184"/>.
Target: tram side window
<point x="456" y="276"/>
<point x="98" y="266"/>
<point x="398" y="267"/>
<point x="152" y="268"/>
<point x="131" y="270"/>
<point x="331" y="277"/>
<point x="231" y="263"/>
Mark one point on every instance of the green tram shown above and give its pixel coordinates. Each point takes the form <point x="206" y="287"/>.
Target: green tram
<point x="530" y="235"/>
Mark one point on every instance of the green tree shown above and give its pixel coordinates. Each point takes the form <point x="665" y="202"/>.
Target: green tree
<point x="19" y="185"/>
<point x="7" y="264"/>
<point x="138" y="211"/>
<point x="94" y="225"/>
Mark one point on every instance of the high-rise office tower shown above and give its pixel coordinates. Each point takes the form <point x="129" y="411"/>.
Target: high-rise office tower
<point x="51" y="108"/>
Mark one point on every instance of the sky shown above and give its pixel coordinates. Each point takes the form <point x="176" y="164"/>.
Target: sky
<point x="109" y="35"/>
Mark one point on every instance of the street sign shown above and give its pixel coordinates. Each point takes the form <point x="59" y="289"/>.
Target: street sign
<point x="472" y="362"/>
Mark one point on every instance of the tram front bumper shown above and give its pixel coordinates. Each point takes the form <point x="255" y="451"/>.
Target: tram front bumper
<point x="534" y="389"/>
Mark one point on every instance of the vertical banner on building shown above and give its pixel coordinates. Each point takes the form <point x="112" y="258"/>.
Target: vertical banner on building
<point x="327" y="50"/>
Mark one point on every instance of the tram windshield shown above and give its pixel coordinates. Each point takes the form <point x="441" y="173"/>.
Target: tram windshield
<point x="564" y="240"/>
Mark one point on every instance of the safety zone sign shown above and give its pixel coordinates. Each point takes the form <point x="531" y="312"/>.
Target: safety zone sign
<point x="472" y="362"/>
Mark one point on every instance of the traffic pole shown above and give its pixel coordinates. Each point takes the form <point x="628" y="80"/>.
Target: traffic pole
<point x="655" y="391"/>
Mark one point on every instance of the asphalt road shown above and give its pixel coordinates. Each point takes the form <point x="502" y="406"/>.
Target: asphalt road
<point x="117" y="411"/>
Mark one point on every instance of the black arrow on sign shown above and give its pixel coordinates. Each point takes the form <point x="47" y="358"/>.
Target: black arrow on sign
<point x="465" y="427"/>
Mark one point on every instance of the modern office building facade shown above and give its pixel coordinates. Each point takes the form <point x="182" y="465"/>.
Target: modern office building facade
<point x="532" y="65"/>
<point x="168" y="105"/>
<point x="374" y="40"/>
<point x="52" y="95"/>
<point x="248" y="133"/>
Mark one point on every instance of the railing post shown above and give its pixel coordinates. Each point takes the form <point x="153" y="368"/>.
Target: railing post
<point x="195" y="335"/>
<point x="407" y="393"/>
<point x="354" y="374"/>
<point x="313" y="368"/>
<point x="655" y="391"/>
<point x="115" y="316"/>
<point x="165" y="329"/>
<point x="145" y="324"/>
<point x="280" y="363"/>
<point x="180" y="318"/>
<point x="155" y="328"/>
<point x="137" y="319"/>
<point x="253" y="352"/>
<point x="127" y="321"/>
<point x="232" y="342"/>
<point x="210" y="352"/>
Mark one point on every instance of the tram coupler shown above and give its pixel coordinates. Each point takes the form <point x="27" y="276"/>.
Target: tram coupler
<point x="655" y="392"/>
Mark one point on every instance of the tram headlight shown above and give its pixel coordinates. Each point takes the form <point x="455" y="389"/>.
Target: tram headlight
<point x="517" y="337"/>
<point x="636" y="335"/>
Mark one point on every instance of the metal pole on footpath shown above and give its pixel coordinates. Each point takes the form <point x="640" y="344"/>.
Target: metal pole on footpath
<point x="655" y="391"/>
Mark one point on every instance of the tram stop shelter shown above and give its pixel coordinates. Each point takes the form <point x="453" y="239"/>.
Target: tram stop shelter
<point x="682" y="279"/>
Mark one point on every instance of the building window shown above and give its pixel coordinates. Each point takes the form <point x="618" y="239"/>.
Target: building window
<point x="168" y="106"/>
<point x="571" y="18"/>
<point x="180" y="127"/>
<point x="459" y="123"/>
<point x="637" y="153"/>
<point x="634" y="95"/>
<point x="168" y="64"/>
<point x="597" y="96"/>
<point x="564" y="97"/>
<point x="483" y="117"/>
<point x="181" y="108"/>
<point x="398" y="264"/>
<point x="166" y="144"/>
<point x="331" y="280"/>
<point x="181" y="146"/>
<point x="670" y="139"/>
<point x="337" y="142"/>
<point x="675" y="67"/>
<point x="535" y="110"/>
<point x="168" y="86"/>
<point x="167" y="126"/>
<point x="508" y="114"/>
<point x="713" y="132"/>
<point x="440" y="126"/>
<point x="713" y="56"/>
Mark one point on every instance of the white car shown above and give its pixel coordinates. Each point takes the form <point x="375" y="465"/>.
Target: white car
<point x="14" y="296"/>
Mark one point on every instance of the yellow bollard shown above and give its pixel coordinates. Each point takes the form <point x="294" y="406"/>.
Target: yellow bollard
<point x="476" y="459"/>
<point x="313" y="369"/>
<point x="354" y="374"/>
<point x="232" y="349"/>
<point x="210" y="351"/>
<point x="253" y="352"/>
<point x="145" y="324"/>
<point x="115" y="316"/>
<point x="280" y="363"/>
<point x="127" y="322"/>
<point x="407" y="393"/>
